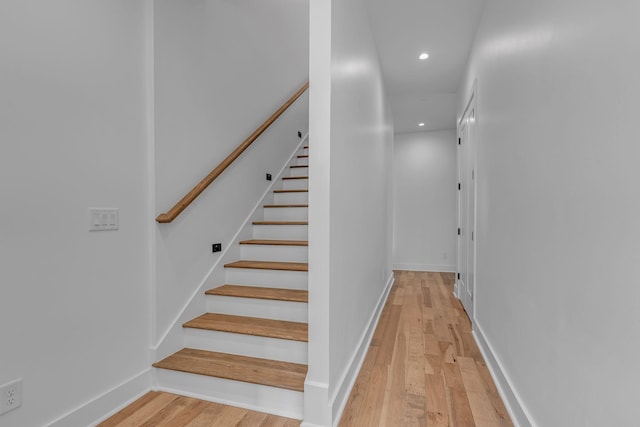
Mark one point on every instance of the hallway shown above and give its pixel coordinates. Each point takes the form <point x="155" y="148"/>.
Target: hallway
<point x="423" y="367"/>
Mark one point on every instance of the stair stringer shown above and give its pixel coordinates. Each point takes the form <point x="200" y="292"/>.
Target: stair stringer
<point x="173" y="338"/>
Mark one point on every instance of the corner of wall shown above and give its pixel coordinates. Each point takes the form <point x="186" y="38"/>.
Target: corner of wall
<point x="317" y="409"/>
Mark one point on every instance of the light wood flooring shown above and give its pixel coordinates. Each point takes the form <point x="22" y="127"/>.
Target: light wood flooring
<point x="423" y="368"/>
<point x="157" y="409"/>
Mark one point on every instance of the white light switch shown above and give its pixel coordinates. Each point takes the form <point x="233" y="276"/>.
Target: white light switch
<point x="101" y="219"/>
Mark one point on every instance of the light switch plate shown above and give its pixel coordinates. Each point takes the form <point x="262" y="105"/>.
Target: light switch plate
<point x="104" y="219"/>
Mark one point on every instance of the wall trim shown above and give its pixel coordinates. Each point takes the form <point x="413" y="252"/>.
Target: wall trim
<point x="150" y="106"/>
<point x="514" y="403"/>
<point x="316" y="394"/>
<point x="350" y="374"/>
<point x="435" y="268"/>
<point x="102" y="407"/>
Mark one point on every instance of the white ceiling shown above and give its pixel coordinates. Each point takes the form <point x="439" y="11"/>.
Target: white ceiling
<point x="424" y="91"/>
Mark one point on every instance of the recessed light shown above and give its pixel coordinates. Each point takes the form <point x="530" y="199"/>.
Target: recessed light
<point x="424" y="56"/>
<point x="420" y="124"/>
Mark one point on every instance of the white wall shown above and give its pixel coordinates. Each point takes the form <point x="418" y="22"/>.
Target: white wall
<point x="424" y="201"/>
<point x="558" y="263"/>
<point x="74" y="304"/>
<point x="351" y="140"/>
<point x="222" y="68"/>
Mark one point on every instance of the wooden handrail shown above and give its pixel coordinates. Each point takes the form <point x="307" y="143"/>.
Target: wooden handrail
<point x="207" y="180"/>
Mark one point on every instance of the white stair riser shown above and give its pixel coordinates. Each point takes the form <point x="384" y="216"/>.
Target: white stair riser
<point x="299" y="171"/>
<point x="267" y="278"/>
<point x="246" y="345"/>
<point x="261" y="398"/>
<point x="255" y="307"/>
<point x="285" y="232"/>
<point x="289" y="198"/>
<point x="275" y="253"/>
<point x="286" y="214"/>
<point x="295" y="184"/>
<point x="301" y="162"/>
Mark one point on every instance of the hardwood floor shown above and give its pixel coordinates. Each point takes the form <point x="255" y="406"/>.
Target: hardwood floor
<point x="157" y="409"/>
<point x="423" y="368"/>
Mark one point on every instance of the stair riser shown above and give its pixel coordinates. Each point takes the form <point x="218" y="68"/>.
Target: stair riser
<point x="301" y="162"/>
<point x="254" y="307"/>
<point x="286" y="214"/>
<point x="261" y="398"/>
<point x="267" y="278"/>
<point x="295" y="184"/>
<point x="290" y="198"/>
<point x="246" y="345"/>
<point x="299" y="171"/>
<point x="285" y="232"/>
<point x="275" y="253"/>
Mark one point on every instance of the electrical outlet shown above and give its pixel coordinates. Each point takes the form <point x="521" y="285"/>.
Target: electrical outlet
<point x="10" y="396"/>
<point x="269" y="177"/>
<point x="299" y="134"/>
<point x="216" y="247"/>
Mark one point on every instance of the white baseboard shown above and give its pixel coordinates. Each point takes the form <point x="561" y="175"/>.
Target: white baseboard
<point x="317" y="410"/>
<point x="436" y="268"/>
<point x="517" y="411"/>
<point x="102" y="407"/>
<point x="349" y="376"/>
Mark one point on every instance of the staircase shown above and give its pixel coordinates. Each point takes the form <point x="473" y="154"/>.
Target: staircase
<point x="250" y="348"/>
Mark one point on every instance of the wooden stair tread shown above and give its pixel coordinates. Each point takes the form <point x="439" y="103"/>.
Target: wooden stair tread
<point x="287" y="206"/>
<point x="291" y="191"/>
<point x="269" y="265"/>
<point x="269" y="242"/>
<point x="292" y="295"/>
<point x="296" y="177"/>
<point x="298" y="166"/>
<point x="252" y="370"/>
<point x="280" y="223"/>
<point x="286" y="330"/>
<point x="303" y="156"/>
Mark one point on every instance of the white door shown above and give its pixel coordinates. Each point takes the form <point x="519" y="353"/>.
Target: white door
<point x="465" y="288"/>
<point x="471" y="217"/>
<point x="461" y="289"/>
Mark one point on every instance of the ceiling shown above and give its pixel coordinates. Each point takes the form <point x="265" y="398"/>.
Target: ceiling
<point x="424" y="91"/>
